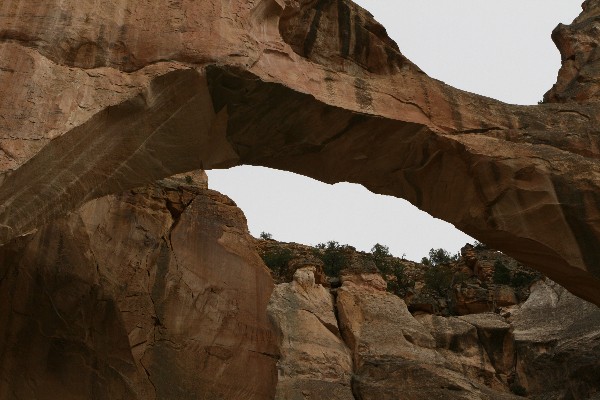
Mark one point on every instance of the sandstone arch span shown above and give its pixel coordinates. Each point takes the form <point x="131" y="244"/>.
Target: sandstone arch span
<point x="103" y="96"/>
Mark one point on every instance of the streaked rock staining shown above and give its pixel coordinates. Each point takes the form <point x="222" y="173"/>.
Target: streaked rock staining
<point x="121" y="280"/>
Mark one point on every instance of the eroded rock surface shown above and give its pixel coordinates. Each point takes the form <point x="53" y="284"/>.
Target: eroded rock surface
<point x="577" y="43"/>
<point x="159" y="293"/>
<point x="156" y="293"/>
<point x="544" y="346"/>
<point x="315" y="362"/>
<point x="459" y="343"/>
<point x="100" y="97"/>
<point x="551" y="330"/>
<point x="394" y="353"/>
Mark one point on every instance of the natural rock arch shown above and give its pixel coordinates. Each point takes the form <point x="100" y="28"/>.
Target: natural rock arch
<point x="312" y="87"/>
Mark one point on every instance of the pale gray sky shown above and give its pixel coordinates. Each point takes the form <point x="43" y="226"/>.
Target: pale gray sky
<point x="501" y="49"/>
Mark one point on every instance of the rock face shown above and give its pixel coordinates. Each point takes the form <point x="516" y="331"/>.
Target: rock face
<point x="315" y="362"/>
<point x="458" y="342"/>
<point x="159" y="293"/>
<point x="90" y="107"/>
<point x="156" y="293"/>
<point x="578" y="76"/>
<point x="551" y="328"/>
<point x="544" y="347"/>
<point x="394" y="353"/>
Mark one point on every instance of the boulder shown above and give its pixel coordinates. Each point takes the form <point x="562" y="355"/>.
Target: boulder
<point x="473" y="300"/>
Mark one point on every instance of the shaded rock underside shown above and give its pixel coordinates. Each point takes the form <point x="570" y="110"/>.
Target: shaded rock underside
<point x="99" y="97"/>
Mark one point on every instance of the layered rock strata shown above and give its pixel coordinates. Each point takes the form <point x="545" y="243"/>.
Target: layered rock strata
<point x="155" y="293"/>
<point x="99" y="97"/>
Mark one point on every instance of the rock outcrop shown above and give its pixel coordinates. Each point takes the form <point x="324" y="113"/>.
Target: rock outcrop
<point x="544" y="345"/>
<point x="100" y="97"/>
<point x="459" y="343"/>
<point x="551" y="331"/>
<point x="155" y="293"/>
<point x="578" y="76"/>
<point x="394" y="353"/>
<point x="315" y="362"/>
<point x="160" y="293"/>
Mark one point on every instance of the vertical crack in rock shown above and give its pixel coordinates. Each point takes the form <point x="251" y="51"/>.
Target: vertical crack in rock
<point x="313" y="30"/>
<point x="353" y="386"/>
<point x="148" y="376"/>
<point x="314" y="360"/>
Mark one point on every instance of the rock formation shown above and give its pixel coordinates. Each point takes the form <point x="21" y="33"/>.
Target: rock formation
<point x="393" y="352"/>
<point x="155" y="293"/>
<point x="315" y="362"/>
<point x="160" y="293"/>
<point x="543" y="346"/>
<point x="103" y="96"/>
<point x="549" y="329"/>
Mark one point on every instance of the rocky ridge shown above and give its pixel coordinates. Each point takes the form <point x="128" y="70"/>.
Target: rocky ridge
<point x="466" y="283"/>
<point x="506" y="341"/>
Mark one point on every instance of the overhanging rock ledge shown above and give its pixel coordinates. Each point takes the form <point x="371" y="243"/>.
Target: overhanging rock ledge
<point x="101" y="96"/>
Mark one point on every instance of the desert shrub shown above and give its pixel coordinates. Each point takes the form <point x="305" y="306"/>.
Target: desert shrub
<point x="400" y="283"/>
<point x="333" y="256"/>
<point x="522" y="279"/>
<point x="277" y="259"/>
<point x="441" y="256"/>
<point x="501" y="273"/>
<point x="266" y="236"/>
<point x="381" y="256"/>
<point x="439" y="278"/>
<point x="380" y="251"/>
<point x="518" y="389"/>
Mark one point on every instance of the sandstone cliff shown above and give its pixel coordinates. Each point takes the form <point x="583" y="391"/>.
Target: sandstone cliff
<point x="550" y="329"/>
<point x="315" y="362"/>
<point x="155" y="293"/>
<point x="103" y="96"/>
<point x="160" y="293"/>
<point x="543" y="344"/>
<point x="112" y="289"/>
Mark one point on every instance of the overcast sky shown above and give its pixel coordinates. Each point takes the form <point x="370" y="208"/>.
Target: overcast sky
<point x="501" y="49"/>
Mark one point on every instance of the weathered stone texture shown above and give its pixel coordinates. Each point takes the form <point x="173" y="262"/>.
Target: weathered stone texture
<point x="102" y="96"/>
<point x="315" y="362"/>
<point x="394" y="353"/>
<point x="557" y="339"/>
<point x="157" y="293"/>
